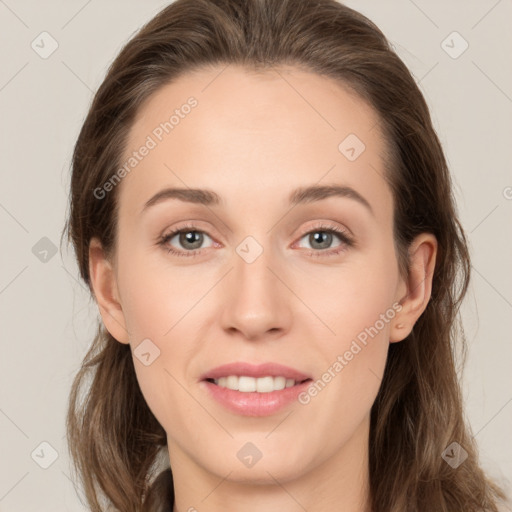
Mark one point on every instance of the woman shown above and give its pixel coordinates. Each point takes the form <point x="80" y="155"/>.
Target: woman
<point x="274" y="376"/>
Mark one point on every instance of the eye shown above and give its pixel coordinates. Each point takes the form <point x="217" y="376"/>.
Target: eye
<point x="189" y="237"/>
<point x="321" y="238"/>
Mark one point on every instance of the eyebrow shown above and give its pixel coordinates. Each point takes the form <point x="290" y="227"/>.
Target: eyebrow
<point x="298" y="196"/>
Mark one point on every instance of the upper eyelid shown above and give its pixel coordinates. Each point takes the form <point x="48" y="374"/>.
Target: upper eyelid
<point x="195" y="226"/>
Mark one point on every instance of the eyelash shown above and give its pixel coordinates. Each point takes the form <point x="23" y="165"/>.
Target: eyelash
<point x="342" y="235"/>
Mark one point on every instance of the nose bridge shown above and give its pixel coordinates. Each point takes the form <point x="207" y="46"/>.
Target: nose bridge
<point x="256" y="299"/>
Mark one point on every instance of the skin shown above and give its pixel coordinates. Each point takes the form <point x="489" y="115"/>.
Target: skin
<point x="253" y="139"/>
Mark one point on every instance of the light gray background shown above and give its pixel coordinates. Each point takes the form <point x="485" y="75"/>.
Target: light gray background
<point x="47" y="319"/>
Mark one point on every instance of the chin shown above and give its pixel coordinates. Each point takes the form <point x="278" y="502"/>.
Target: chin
<point x="258" y="466"/>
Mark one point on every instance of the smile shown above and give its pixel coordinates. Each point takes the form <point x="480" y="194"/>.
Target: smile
<point x="247" y="384"/>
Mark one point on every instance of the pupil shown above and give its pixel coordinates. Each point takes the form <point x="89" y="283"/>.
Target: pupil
<point x="189" y="236"/>
<point x="319" y="235"/>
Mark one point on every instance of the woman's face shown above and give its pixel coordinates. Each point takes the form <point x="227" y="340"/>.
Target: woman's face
<point x="257" y="276"/>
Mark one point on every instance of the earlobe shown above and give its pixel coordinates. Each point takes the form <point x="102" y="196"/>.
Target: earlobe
<point x="422" y="254"/>
<point x="104" y="285"/>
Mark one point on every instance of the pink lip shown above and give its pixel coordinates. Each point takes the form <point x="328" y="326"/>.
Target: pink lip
<point x="254" y="404"/>
<point x="251" y="370"/>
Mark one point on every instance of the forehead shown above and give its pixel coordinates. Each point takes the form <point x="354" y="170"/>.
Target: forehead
<point x="231" y="129"/>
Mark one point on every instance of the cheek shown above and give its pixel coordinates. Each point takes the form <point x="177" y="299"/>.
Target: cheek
<point x="156" y="296"/>
<point x="159" y="384"/>
<point x="161" y="307"/>
<point x="156" y="312"/>
<point x="353" y="298"/>
<point x="358" y="306"/>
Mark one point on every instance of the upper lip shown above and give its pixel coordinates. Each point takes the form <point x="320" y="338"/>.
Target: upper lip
<point x="254" y="370"/>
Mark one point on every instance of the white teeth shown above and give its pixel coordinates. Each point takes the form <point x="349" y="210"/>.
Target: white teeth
<point x="265" y="384"/>
<point x="279" y="383"/>
<point x="232" y="382"/>
<point x="250" y="384"/>
<point x="246" y="384"/>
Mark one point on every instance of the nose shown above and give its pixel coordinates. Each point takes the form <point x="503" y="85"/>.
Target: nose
<point x="257" y="301"/>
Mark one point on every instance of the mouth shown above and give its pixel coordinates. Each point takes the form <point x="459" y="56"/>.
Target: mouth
<point x="248" y="384"/>
<point x="254" y="390"/>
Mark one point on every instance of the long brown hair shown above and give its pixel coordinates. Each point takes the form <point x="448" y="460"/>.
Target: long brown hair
<point x="113" y="437"/>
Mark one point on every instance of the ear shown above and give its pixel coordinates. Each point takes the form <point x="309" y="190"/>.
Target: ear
<point x="104" y="284"/>
<point x="416" y="290"/>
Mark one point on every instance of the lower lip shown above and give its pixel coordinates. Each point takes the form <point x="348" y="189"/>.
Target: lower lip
<point x="254" y="403"/>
